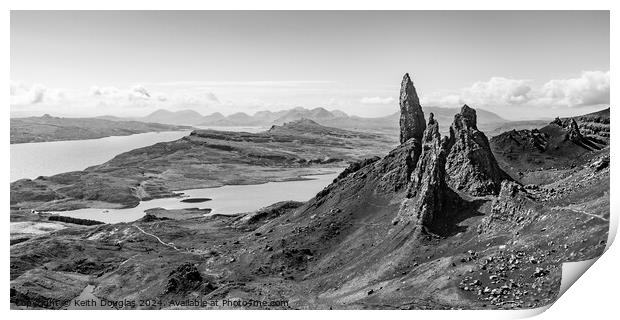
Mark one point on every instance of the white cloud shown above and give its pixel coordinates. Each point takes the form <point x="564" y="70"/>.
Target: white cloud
<point x="24" y="94"/>
<point x="590" y="89"/>
<point x="500" y="94"/>
<point x="211" y="97"/>
<point x="139" y="92"/>
<point x="105" y="91"/>
<point x="135" y="93"/>
<point x="245" y="84"/>
<point x="499" y="90"/>
<point x="377" y="100"/>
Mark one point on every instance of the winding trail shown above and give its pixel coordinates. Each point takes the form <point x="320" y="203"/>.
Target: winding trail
<point x="171" y="245"/>
<point x="580" y="211"/>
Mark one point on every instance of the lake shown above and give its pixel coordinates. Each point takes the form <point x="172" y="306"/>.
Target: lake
<point x="30" y="160"/>
<point x="224" y="200"/>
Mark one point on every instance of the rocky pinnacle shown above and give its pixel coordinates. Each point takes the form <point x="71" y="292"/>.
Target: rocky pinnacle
<point x="573" y="133"/>
<point x="428" y="191"/>
<point x="471" y="165"/>
<point x="412" y="123"/>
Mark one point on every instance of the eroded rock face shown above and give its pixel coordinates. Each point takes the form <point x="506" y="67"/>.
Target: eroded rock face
<point x="427" y="191"/>
<point x="573" y="133"/>
<point x="187" y="278"/>
<point x="471" y="165"/>
<point x="593" y="126"/>
<point x="412" y="123"/>
<point x="512" y="209"/>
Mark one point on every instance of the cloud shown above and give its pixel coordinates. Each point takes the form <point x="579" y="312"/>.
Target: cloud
<point x="237" y="84"/>
<point x="24" y="94"/>
<point x="590" y="89"/>
<point x="135" y="93"/>
<point x="211" y="97"/>
<point x="139" y="92"/>
<point x="191" y="98"/>
<point x="104" y="91"/>
<point x="377" y="100"/>
<point x="499" y="90"/>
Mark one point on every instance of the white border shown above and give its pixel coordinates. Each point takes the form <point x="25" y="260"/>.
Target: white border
<point x="593" y="295"/>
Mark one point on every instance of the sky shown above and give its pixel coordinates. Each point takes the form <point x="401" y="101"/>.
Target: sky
<point x="518" y="64"/>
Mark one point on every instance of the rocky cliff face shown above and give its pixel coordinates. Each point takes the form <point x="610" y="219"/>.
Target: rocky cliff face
<point x="427" y="192"/>
<point x="412" y="122"/>
<point x="470" y="165"/>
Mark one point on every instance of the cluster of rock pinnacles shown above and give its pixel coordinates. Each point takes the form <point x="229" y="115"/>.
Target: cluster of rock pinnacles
<point x="462" y="162"/>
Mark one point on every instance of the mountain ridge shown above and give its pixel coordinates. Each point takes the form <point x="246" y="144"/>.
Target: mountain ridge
<point x="318" y="114"/>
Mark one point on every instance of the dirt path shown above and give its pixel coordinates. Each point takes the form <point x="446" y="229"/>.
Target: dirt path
<point x="580" y="211"/>
<point x="171" y="245"/>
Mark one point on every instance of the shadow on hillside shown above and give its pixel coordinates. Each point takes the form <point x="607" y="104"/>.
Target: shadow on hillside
<point x="458" y="211"/>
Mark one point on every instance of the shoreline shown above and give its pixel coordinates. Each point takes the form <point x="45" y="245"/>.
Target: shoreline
<point x="190" y="211"/>
<point x="99" y="138"/>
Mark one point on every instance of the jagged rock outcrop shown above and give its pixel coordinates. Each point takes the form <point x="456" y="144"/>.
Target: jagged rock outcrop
<point x="512" y="209"/>
<point x="187" y="278"/>
<point x="412" y="123"/>
<point x="593" y="126"/>
<point x="573" y="133"/>
<point x="427" y="191"/>
<point x="471" y="166"/>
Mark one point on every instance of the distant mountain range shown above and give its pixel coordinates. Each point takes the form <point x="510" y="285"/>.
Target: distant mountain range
<point x="334" y="118"/>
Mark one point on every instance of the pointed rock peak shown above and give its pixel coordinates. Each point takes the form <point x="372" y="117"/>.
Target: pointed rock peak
<point x="407" y="90"/>
<point x="467" y="118"/>
<point x="432" y="131"/>
<point x="412" y="123"/>
<point x="573" y="133"/>
<point x="471" y="165"/>
<point x="574" y="125"/>
<point x="465" y="109"/>
<point x="427" y="192"/>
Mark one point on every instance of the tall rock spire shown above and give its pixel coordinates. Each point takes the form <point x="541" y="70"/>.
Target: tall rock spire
<point x="471" y="166"/>
<point x="412" y="123"/>
<point x="428" y="192"/>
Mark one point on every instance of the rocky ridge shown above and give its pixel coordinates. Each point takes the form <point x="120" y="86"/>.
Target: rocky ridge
<point x="561" y="145"/>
